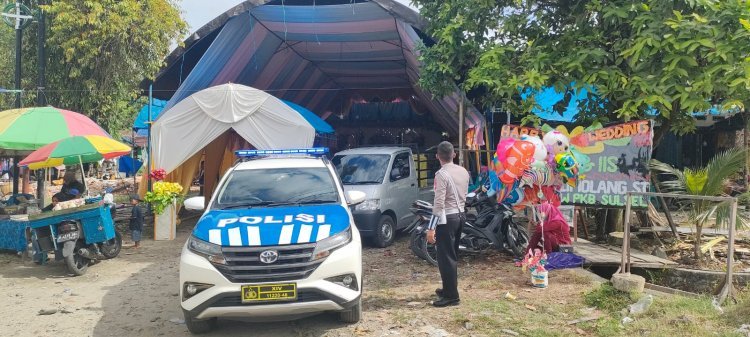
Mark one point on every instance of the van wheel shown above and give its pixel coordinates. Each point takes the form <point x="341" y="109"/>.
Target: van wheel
<point x="385" y="233"/>
<point x="196" y="326"/>
<point x="352" y="315"/>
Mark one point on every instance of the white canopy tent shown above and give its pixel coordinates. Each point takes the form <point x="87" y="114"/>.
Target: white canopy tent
<point x="261" y="119"/>
<point x="209" y="125"/>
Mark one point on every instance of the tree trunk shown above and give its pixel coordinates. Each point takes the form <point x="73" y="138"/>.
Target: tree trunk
<point x="697" y="248"/>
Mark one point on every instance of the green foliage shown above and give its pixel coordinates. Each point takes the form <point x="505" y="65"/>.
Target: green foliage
<point x="102" y="50"/>
<point x="98" y="53"/>
<point x="674" y="56"/>
<point x="706" y="181"/>
<point x="607" y="298"/>
<point x="7" y="38"/>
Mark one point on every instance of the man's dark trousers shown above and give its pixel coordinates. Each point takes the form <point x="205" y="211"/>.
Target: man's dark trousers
<point x="447" y="237"/>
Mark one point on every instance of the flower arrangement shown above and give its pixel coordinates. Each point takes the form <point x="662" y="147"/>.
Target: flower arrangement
<point x="158" y="174"/>
<point x="163" y="194"/>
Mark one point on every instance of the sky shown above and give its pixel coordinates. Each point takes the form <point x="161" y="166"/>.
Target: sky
<point x="199" y="12"/>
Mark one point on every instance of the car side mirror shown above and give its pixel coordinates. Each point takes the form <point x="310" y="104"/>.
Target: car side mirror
<point x="395" y="174"/>
<point x="355" y="197"/>
<point x="195" y="203"/>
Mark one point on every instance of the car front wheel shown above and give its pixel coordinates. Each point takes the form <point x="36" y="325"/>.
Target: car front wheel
<point x="196" y="326"/>
<point x="352" y="315"/>
<point x="385" y="233"/>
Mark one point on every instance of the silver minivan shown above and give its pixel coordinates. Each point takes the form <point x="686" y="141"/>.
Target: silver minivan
<point x="388" y="177"/>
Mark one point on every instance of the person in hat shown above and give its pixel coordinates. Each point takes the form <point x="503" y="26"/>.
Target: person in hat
<point x="136" y="220"/>
<point x="70" y="184"/>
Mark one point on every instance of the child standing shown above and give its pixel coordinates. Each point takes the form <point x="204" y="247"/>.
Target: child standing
<point x="136" y="220"/>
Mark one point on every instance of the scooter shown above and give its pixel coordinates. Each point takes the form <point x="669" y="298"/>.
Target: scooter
<point x="492" y="227"/>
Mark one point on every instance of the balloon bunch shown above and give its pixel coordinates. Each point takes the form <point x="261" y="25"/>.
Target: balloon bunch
<point x="532" y="169"/>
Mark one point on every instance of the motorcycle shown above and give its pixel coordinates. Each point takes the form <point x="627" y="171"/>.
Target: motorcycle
<point x="491" y="227"/>
<point x="79" y="236"/>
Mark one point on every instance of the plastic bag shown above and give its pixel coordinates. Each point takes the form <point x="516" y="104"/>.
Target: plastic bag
<point x="558" y="260"/>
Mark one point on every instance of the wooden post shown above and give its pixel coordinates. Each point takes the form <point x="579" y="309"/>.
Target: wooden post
<point x="575" y="224"/>
<point x="479" y="162"/>
<point x="727" y="291"/>
<point x="625" y="263"/>
<point x="487" y="143"/>
<point x="461" y="139"/>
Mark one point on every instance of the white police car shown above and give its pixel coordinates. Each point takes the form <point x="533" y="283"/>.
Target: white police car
<point x="276" y="242"/>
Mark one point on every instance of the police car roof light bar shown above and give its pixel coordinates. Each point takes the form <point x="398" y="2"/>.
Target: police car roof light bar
<point x="315" y="151"/>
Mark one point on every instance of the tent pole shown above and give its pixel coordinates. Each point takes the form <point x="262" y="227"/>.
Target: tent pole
<point x="148" y="123"/>
<point x="461" y="131"/>
<point x="132" y="155"/>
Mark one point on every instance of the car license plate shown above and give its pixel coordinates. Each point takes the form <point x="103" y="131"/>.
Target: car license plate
<point x="269" y="292"/>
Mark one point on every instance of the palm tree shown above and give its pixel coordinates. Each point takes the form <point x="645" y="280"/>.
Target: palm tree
<point x="705" y="181"/>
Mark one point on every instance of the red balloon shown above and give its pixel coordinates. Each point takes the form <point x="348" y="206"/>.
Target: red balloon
<point x="518" y="158"/>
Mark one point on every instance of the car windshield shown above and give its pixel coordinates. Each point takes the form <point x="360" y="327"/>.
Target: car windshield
<point x="358" y="169"/>
<point x="277" y="187"/>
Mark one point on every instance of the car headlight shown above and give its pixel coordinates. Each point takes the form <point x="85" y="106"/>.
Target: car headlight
<point x="369" y="205"/>
<point x="210" y="251"/>
<point x="324" y="247"/>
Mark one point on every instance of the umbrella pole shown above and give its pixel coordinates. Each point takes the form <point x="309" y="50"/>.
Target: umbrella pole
<point x="80" y="161"/>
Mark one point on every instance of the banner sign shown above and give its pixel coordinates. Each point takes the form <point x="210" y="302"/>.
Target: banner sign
<point x="612" y="160"/>
<point x="516" y="131"/>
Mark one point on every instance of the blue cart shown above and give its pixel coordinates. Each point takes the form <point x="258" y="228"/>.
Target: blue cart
<point x="78" y="235"/>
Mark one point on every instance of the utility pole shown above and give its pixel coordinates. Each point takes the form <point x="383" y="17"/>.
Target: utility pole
<point x="17" y="16"/>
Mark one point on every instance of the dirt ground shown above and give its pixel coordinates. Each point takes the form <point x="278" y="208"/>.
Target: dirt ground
<point x="136" y="294"/>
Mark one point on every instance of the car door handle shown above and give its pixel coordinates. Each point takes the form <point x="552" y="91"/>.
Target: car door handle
<point x="413" y="184"/>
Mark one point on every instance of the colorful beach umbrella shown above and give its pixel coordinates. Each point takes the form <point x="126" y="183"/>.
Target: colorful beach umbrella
<point x="75" y="150"/>
<point x="28" y="129"/>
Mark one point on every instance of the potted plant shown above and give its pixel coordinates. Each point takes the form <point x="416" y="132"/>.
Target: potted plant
<point x="163" y="200"/>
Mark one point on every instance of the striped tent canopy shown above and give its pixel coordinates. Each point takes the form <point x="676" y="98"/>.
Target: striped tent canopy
<point x="321" y="54"/>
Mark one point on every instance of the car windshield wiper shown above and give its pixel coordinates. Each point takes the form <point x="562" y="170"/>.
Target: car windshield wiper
<point x="246" y="205"/>
<point x="315" y="201"/>
<point x="362" y="182"/>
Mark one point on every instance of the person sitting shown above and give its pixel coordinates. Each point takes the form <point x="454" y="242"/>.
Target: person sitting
<point x="51" y="206"/>
<point x="555" y="228"/>
<point x="67" y="195"/>
<point x="70" y="182"/>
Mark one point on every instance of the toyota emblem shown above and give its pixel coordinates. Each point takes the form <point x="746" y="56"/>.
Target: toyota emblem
<point x="269" y="256"/>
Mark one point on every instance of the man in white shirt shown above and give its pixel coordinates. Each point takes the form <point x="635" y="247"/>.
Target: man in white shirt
<point x="451" y="186"/>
